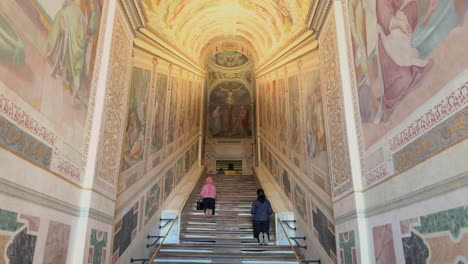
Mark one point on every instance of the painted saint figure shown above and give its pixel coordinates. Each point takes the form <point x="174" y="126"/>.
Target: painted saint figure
<point x="68" y="41"/>
<point x="245" y="121"/>
<point x="401" y="67"/>
<point x="217" y="127"/>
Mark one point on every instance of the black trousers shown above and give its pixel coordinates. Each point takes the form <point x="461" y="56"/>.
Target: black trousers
<point x="209" y="203"/>
<point x="261" y="227"/>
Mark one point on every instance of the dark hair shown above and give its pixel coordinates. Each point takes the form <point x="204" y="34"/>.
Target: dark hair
<point x="261" y="195"/>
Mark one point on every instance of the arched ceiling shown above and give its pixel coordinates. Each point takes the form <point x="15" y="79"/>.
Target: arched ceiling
<point x="191" y="24"/>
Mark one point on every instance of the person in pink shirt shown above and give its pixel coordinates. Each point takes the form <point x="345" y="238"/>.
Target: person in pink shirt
<point x="208" y="194"/>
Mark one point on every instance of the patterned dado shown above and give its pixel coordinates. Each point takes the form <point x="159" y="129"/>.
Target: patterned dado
<point x="117" y="92"/>
<point x="334" y="114"/>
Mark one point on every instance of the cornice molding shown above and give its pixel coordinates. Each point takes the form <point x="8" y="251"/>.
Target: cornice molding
<point x="145" y="40"/>
<point x="321" y="12"/>
<point x="21" y="192"/>
<point x="294" y="51"/>
<point x="437" y="189"/>
<point x="134" y="14"/>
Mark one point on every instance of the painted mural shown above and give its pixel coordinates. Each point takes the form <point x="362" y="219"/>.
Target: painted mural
<point x="18" y="237"/>
<point x="315" y="130"/>
<point x="315" y="124"/>
<point x="404" y="53"/>
<point x="179" y="170"/>
<point x="172" y="127"/>
<point x="286" y="183"/>
<point x="192" y="24"/>
<point x="283" y="133"/>
<point x="56" y="247"/>
<point x="47" y="59"/>
<point x="159" y="107"/>
<point x="229" y="111"/>
<point x="98" y="247"/>
<point x="229" y="59"/>
<point x="168" y="182"/>
<point x="295" y="115"/>
<point x="182" y="106"/>
<point x="300" y="202"/>
<point x="152" y="202"/>
<point x="125" y="231"/>
<point x="134" y="138"/>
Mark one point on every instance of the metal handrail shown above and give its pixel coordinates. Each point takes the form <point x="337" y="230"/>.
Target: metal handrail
<point x="289" y="241"/>
<point x="162" y="241"/>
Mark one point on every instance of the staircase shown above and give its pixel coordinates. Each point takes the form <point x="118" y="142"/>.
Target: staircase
<point x="227" y="237"/>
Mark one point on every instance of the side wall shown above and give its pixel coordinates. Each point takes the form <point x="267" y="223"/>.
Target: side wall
<point x="159" y="141"/>
<point x="293" y="147"/>
<point x="405" y="109"/>
<point x="51" y="211"/>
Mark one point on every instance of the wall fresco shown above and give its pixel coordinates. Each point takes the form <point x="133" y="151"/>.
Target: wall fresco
<point x="152" y="202"/>
<point x="421" y="49"/>
<point x="179" y="170"/>
<point x="300" y="202"/>
<point x="159" y="107"/>
<point x="172" y="128"/>
<point x="229" y="111"/>
<point x="168" y="182"/>
<point x="134" y="138"/>
<point x="295" y="115"/>
<point x="49" y="64"/>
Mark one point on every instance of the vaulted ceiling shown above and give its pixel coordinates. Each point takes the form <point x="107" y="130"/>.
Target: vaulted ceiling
<point x="191" y="25"/>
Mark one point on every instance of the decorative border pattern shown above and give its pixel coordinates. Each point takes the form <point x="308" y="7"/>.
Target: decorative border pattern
<point x="334" y="117"/>
<point x="17" y="114"/>
<point x="449" y="105"/>
<point x="116" y="94"/>
<point x="446" y="134"/>
<point x="445" y="108"/>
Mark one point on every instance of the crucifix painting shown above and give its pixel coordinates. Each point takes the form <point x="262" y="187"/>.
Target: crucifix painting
<point x="229" y="111"/>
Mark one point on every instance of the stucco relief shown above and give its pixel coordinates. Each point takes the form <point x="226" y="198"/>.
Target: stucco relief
<point x="334" y="113"/>
<point x="111" y="135"/>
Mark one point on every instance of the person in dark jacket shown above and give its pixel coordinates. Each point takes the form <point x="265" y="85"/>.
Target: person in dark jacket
<point x="261" y="211"/>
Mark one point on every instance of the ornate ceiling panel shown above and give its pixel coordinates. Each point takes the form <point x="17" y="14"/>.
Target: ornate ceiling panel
<point x="192" y="24"/>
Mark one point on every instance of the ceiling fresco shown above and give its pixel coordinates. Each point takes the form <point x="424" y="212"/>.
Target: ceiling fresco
<point x="229" y="59"/>
<point x="192" y="24"/>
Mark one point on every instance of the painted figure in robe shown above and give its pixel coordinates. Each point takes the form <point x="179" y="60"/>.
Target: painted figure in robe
<point x="245" y="121"/>
<point x="68" y="42"/>
<point x="217" y="121"/>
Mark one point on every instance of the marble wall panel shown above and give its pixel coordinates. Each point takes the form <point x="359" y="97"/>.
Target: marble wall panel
<point x="18" y="237"/>
<point x="98" y="247"/>
<point x="56" y="247"/>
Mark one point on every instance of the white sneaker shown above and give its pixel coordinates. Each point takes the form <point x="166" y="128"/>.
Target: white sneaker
<point x="260" y="237"/>
<point x="265" y="238"/>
